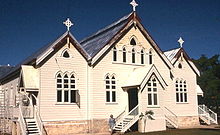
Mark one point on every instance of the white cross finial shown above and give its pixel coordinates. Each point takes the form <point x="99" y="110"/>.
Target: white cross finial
<point x="134" y="5"/>
<point x="181" y="41"/>
<point x="68" y="24"/>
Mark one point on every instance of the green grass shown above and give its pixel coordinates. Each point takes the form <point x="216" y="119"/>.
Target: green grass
<point x="181" y="132"/>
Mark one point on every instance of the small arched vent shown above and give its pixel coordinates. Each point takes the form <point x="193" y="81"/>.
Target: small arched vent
<point x="66" y="54"/>
<point x="133" y="42"/>
<point x="180" y="66"/>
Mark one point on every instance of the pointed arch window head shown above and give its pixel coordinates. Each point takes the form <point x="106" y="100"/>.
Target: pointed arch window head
<point x="150" y="57"/>
<point x="66" y="54"/>
<point x="114" y="54"/>
<point x="124" y="52"/>
<point x="133" y="41"/>
<point x="110" y="86"/>
<point x="180" y="66"/>
<point x="133" y="55"/>
<point x="152" y="92"/>
<point x="66" y="89"/>
<point x="142" y="56"/>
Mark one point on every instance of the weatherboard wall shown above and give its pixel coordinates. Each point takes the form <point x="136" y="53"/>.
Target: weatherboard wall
<point x="122" y="70"/>
<point x="49" y="108"/>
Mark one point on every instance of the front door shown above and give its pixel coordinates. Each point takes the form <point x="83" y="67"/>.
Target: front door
<point x="132" y="98"/>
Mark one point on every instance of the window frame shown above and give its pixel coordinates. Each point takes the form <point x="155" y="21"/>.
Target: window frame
<point x="152" y="90"/>
<point x="133" y="53"/>
<point x="124" y="55"/>
<point x="181" y="91"/>
<point x="110" y="89"/>
<point x="68" y="84"/>
<point x="142" y="56"/>
<point x="114" y="54"/>
<point x="150" y="57"/>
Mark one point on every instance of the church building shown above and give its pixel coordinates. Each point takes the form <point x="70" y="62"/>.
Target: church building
<point x="72" y="87"/>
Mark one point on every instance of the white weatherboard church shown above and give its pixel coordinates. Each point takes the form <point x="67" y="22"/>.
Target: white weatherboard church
<point x="72" y="87"/>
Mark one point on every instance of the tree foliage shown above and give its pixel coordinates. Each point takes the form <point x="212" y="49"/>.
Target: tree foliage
<point x="209" y="81"/>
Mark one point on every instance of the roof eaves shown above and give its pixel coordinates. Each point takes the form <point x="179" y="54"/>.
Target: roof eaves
<point x="110" y="43"/>
<point x="50" y="49"/>
<point x="81" y="49"/>
<point x="154" y="44"/>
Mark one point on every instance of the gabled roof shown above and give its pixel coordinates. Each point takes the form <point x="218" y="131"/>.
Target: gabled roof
<point x="171" y="53"/>
<point x="174" y="54"/>
<point x="101" y="42"/>
<point x="139" y="77"/>
<point x="37" y="57"/>
<point x="5" y="69"/>
<point x="94" y="43"/>
<point x="30" y="77"/>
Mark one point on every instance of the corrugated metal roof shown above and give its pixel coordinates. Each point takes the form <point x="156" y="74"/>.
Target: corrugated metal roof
<point x="4" y="70"/>
<point x="171" y="53"/>
<point x="33" y="56"/>
<point x="94" y="43"/>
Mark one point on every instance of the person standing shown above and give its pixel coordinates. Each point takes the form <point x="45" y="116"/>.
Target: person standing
<point x="111" y="123"/>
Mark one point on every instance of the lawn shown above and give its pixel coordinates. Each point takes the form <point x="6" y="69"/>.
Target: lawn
<point x="181" y="132"/>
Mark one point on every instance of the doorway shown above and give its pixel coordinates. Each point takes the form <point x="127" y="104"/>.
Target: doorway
<point x="132" y="98"/>
<point x="133" y="102"/>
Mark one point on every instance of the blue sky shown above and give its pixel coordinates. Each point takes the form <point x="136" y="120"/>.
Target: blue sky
<point x="27" y="25"/>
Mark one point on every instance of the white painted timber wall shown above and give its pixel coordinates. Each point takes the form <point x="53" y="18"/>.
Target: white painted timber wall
<point x="100" y="108"/>
<point x="50" y="110"/>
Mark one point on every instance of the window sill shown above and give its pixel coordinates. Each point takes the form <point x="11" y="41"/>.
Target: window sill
<point x="124" y="63"/>
<point x="65" y="104"/>
<point x="111" y="103"/>
<point x="156" y="106"/>
<point x="182" y="102"/>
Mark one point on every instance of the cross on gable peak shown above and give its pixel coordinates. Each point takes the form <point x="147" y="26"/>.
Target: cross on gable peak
<point x="134" y="5"/>
<point x="181" y="41"/>
<point x="68" y="24"/>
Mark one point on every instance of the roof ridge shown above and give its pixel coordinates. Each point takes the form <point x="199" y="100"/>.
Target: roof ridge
<point x="106" y="28"/>
<point x="171" y="49"/>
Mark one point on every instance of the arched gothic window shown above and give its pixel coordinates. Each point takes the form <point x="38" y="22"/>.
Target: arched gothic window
<point x="181" y="91"/>
<point x="142" y="56"/>
<point x="114" y="54"/>
<point x="152" y="91"/>
<point x="133" y="56"/>
<point x="66" y="89"/>
<point x="150" y="58"/>
<point x="110" y="86"/>
<point x="124" y="52"/>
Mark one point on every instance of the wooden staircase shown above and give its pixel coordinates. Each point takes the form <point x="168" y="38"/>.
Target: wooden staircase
<point x="124" y="123"/>
<point x="171" y="119"/>
<point x="207" y="115"/>
<point x="32" y="127"/>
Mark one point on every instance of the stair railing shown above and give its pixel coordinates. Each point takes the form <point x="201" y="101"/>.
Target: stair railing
<point x="134" y="113"/>
<point x="171" y="117"/>
<point x="207" y="113"/>
<point x="21" y="121"/>
<point x="27" y="110"/>
<point x="37" y="115"/>
<point x="121" y="115"/>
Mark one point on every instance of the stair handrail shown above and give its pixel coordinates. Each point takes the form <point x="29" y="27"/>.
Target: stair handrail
<point x="135" y="113"/>
<point x="134" y="109"/>
<point x="210" y="115"/>
<point x="28" y="112"/>
<point x="121" y="115"/>
<point x="21" y="121"/>
<point x="37" y="115"/>
<point x="172" y="118"/>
